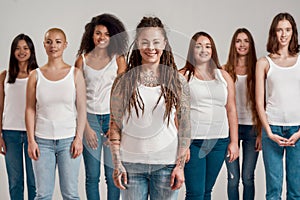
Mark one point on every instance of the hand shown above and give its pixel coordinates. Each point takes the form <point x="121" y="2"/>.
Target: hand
<point x="120" y="177"/>
<point x="177" y="178"/>
<point x="294" y="138"/>
<point x="33" y="150"/>
<point x="76" y="147"/>
<point x="188" y="156"/>
<point x="91" y="138"/>
<point x="281" y="141"/>
<point x="107" y="142"/>
<point x="2" y="146"/>
<point x="258" y="144"/>
<point x="232" y="151"/>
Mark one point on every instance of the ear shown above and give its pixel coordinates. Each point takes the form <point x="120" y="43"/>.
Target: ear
<point x="66" y="45"/>
<point x="165" y="43"/>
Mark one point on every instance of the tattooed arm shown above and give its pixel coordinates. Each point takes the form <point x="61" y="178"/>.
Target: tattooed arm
<point x="184" y="134"/>
<point x="116" y="118"/>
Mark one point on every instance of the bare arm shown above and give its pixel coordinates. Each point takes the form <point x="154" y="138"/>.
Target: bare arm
<point x="79" y="63"/>
<point x="121" y="64"/>
<point x="262" y="67"/>
<point x="30" y="112"/>
<point x="2" y="96"/>
<point x="77" y="147"/>
<point x="233" y="149"/>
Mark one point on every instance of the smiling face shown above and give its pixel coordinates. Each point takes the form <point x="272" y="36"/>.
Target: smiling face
<point x="284" y="32"/>
<point x="202" y="50"/>
<point x="22" y="51"/>
<point x="151" y="43"/>
<point x="242" y="44"/>
<point x="101" y="36"/>
<point x="55" y="43"/>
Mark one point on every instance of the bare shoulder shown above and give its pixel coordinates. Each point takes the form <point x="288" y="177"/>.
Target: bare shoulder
<point x="226" y="76"/>
<point x="263" y="62"/>
<point x="3" y="75"/>
<point x="79" y="62"/>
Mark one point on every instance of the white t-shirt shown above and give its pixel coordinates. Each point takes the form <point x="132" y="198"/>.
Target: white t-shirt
<point x="243" y="110"/>
<point x="208" y="112"/>
<point x="283" y="94"/>
<point x="55" y="107"/>
<point x="98" y="86"/>
<point x="148" y="139"/>
<point x="14" y="105"/>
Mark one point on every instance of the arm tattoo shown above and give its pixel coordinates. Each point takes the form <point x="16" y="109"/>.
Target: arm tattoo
<point x="184" y="124"/>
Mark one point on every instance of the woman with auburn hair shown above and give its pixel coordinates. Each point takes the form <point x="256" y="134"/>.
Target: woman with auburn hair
<point x="241" y="67"/>
<point x="213" y="116"/>
<point x="277" y="102"/>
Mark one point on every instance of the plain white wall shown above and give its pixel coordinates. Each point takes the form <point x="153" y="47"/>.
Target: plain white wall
<point x="182" y="18"/>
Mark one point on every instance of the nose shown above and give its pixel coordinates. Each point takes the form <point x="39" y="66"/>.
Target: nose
<point x="151" y="46"/>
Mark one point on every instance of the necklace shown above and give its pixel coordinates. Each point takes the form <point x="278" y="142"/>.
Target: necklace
<point x="149" y="79"/>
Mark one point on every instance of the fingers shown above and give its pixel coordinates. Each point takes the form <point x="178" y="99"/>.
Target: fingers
<point x="93" y="142"/>
<point x="118" y="176"/>
<point x="3" y="150"/>
<point x="176" y="182"/>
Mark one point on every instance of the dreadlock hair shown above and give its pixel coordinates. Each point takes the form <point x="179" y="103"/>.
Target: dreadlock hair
<point x="190" y="61"/>
<point x="250" y="67"/>
<point x="168" y="75"/>
<point x="13" y="68"/>
<point x="118" y="36"/>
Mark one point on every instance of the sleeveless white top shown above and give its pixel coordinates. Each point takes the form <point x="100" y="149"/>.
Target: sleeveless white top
<point x="14" y="105"/>
<point x="98" y="86"/>
<point x="55" y="107"/>
<point x="208" y="112"/>
<point x="148" y="139"/>
<point x="243" y="110"/>
<point x="283" y="94"/>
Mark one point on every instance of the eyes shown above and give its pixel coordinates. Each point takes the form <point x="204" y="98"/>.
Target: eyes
<point x="99" y="33"/>
<point x="157" y="44"/>
<point x="205" y="46"/>
<point x="281" y="30"/>
<point x="240" y="41"/>
<point x="22" y="48"/>
<point x="49" y="42"/>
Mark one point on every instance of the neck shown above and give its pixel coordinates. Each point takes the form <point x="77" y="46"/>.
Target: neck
<point x="99" y="53"/>
<point x="23" y="66"/>
<point x="150" y="67"/>
<point x="284" y="52"/>
<point x="55" y="63"/>
<point x="241" y="62"/>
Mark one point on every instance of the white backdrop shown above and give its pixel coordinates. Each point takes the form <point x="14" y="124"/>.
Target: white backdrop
<point x="182" y="18"/>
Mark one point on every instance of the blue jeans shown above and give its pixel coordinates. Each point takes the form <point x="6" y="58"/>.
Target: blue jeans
<point x="248" y="137"/>
<point x="16" y="144"/>
<point x="201" y="172"/>
<point x="148" y="179"/>
<point x="92" y="160"/>
<point x="52" y="153"/>
<point x="273" y="161"/>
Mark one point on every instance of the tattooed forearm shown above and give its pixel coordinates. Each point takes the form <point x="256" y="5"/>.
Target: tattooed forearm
<point x="184" y="124"/>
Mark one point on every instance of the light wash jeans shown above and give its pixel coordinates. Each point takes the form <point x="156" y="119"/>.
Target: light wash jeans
<point x="273" y="161"/>
<point x="56" y="153"/>
<point x="248" y="137"/>
<point x="92" y="160"/>
<point x="201" y="172"/>
<point x="16" y="145"/>
<point x="151" y="180"/>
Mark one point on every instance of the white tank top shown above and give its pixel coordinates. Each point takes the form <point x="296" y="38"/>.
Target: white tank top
<point x="98" y="86"/>
<point x="55" y="107"/>
<point x="283" y="94"/>
<point x="14" y="105"/>
<point x="148" y="139"/>
<point x="208" y="112"/>
<point x="243" y="110"/>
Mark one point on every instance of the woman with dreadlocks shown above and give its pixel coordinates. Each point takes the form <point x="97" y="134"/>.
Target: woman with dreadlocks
<point x="148" y="149"/>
